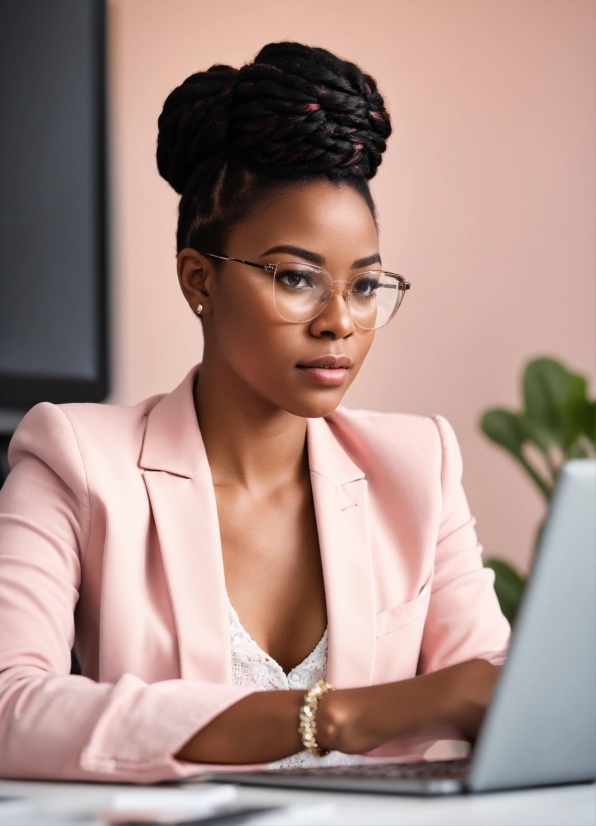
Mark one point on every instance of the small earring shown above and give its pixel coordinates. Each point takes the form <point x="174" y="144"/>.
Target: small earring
<point x="199" y="309"/>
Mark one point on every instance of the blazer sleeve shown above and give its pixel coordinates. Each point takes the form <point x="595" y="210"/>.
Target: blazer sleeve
<point x="54" y="724"/>
<point x="464" y="618"/>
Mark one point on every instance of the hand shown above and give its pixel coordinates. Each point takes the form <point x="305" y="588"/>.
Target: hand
<point x="468" y="691"/>
<point x="361" y="719"/>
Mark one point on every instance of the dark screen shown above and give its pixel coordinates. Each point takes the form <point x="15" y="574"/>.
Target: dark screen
<point x="51" y="154"/>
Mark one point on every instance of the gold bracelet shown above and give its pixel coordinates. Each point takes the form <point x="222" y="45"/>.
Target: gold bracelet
<point x="307" y="728"/>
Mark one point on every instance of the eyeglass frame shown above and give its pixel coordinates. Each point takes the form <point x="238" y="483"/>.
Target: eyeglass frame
<point x="272" y="268"/>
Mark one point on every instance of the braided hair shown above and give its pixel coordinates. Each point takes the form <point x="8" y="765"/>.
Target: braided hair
<point x="228" y="137"/>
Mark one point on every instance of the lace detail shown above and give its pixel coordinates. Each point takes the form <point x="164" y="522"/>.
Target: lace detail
<point x="251" y="666"/>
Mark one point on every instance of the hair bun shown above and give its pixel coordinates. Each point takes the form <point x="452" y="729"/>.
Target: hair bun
<point x="303" y="110"/>
<point x="294" y="111"/>
<point x="193" y="126"/>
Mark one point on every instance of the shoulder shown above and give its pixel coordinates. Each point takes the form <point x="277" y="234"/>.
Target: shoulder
<point x="62" y="434"/>
<point x="410" y="442"/>
<point x="374" y="421"/>
<point x="392" y="427"/>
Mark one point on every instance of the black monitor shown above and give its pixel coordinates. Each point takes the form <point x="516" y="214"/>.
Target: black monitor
<point x="53" y="290"/>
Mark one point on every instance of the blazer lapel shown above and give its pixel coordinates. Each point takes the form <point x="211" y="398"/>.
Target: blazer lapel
<point x="180" y="488"/>
<point x="340" y="493"/>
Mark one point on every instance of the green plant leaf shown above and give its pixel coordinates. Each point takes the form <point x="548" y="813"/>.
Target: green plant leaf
<point x="509" y="430"/>
<point x="556" y="401"/>
<point x="504" y="428"/>
<point x="509" y="586"/>
<point x="537" y="433"/>
<point x="587" y="419"/>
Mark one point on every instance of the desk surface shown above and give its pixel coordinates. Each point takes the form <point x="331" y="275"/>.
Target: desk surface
<point x="571" y="805"/>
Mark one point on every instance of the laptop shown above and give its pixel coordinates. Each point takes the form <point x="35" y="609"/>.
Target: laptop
<point x="540" y="728"/>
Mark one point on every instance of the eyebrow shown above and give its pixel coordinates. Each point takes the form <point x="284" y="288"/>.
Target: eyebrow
<point x="319" y="260"/>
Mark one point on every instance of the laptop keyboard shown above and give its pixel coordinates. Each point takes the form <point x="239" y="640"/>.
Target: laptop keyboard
<point x="435" y="770"/>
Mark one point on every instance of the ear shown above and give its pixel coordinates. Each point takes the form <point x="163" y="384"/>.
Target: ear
<point x="195" y="274"/>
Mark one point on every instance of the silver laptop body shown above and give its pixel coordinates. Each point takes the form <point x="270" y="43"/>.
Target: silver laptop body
<point x="541" y="726"/>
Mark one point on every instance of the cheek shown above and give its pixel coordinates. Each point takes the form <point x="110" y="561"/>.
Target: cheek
<point x="251" y="336"/>
<point x="363" y="342"/>
<point x="360" y="347"/>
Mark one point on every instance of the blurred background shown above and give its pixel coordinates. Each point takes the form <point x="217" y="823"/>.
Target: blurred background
<point x="486" y="199"/>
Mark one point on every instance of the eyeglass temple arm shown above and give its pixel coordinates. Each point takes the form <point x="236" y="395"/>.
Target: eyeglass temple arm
<point x="241" y="261"/>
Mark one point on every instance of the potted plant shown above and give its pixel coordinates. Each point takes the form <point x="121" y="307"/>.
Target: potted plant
<point x="557" y="423"/>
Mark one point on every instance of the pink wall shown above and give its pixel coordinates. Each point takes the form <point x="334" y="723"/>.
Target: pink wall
<point x="486" y="199"/>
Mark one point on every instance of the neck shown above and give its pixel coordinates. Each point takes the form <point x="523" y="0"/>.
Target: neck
<point x="248" y="441"/>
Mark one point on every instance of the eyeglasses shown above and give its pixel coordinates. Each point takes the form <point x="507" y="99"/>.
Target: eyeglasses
<point x="302" y="291"/>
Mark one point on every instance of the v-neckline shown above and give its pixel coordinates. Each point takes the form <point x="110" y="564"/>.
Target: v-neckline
<point x="253" y="644"/>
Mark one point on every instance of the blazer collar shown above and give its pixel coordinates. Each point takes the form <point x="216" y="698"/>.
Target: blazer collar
<point x="173" y="440"/>
<point x="172" y="437"/>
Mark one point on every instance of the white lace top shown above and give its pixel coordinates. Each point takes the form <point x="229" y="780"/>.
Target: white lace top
<point x="251" y="666"/>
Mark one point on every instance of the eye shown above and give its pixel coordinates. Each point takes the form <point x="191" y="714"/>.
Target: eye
<point x="296" y="279"/>
<point x="365" y="287"/>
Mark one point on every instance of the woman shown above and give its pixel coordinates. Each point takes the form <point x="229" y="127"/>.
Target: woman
<point x="242" y="533"/>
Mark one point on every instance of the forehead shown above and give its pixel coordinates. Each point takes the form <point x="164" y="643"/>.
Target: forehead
<point x="330" y="219"/>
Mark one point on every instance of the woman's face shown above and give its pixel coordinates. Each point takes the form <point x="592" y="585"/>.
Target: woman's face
<point x="285" y="363"/>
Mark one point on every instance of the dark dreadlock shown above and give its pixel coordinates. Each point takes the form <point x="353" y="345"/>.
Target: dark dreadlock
<point x="228" y="137"/>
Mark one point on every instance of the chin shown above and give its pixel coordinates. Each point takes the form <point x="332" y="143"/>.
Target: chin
<point x="314" y="402"/>
<point x="317" y="405"/>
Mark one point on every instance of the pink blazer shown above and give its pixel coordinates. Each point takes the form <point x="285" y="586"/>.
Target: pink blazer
<point x="109" y="540"/>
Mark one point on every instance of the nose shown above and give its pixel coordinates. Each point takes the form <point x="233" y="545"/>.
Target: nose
<point x="335" y="320"/>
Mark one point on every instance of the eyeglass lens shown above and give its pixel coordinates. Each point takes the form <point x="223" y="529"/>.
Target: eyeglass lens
<point x="301" y="293"/>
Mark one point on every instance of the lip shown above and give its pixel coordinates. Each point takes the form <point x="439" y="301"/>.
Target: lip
<point x="329" y="361"/>
<point x="328" y="371"/>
